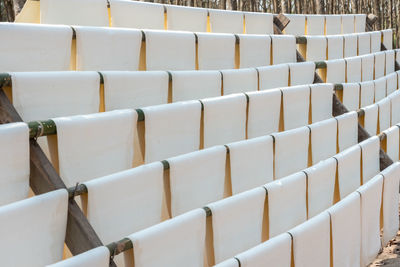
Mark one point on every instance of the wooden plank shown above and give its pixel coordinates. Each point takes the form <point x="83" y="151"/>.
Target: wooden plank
<point x="80" y="235"/>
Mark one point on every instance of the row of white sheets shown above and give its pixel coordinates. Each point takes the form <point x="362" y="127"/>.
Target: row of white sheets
<point x="198" y="178"/>
<point x="162" y="134"/>
<point x="240" y="223"/>
<point x="342" y="46"/>
<point x="358" y="95"/>
<point x="360" y="68"/>
<point x="142" y="15"/>
<point x="325" y="24"/>
<point x="38" y="47"/>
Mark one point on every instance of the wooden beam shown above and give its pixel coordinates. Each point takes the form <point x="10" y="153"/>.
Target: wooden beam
<point x="80" y="236"/>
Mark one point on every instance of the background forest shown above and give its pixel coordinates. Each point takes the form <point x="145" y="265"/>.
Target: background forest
<point x="386" y="10"/>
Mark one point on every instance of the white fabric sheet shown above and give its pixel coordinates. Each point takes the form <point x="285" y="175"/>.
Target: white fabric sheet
<point x="224" y="119"/>
<point x="97" y="257"/>
<point x="335" y="47"/>
<point x="90" y="146"/>
<point x="286" y="203"/>
<point x="301" y="73"/>
<point x="74" y="12"/>
<point x="171" y="130"/>
<point x="273" y="76"/>
<point x="263" y="112"/>
<point x="353" y="69"/>
<point x="316" y="48"/>
<point x="107" y="48"/>
<point x="239" y="80"/>
<point x="225" y="21"/>
<point x="364" y="43"/>
<point x="321" y="102"/>
<point x="348" y="170"/>
<point x="379" y="65"/>
<point x="380" y="88"/>
<point x="387" y="38"/>
<point x="232" y="262"/>
<point x="237" y="223"/>
<point x="391" y="83"/>
<point x="371" y="119"/>
<point x="390" y="62"/>
<point x="216" y="51"/>
<point x="395" y="107"/>
<point x="34" y="47"/>
<point x="255" y="50"/>
<point x="311" y="242"/>
<point x="259" y="23"/>
<point x="346" y="231"/>
<point x="315" y="25"/>
<point x="137" y="14"/>
<point x="367" y="68"/>
<point x="197" y="179"/>
<point x="359" y="22"/>
<point x="123" y="89"/>
<point x="195" y="84"/>
<point x="297" y="24"/>
<point x="347" y="130"/>
<point x="351" y="96"/>
<point x="42" y="222"/>
<point x="251" y="162"/>
<point x="367" y="93"/>
<point x="376" y="39"/>
<point x="347" y="24"/>
<point x="177" y="242"/>
<point x="320" y="186"/>
<point x="167" y="50"/>
<point x="291" y="151"/>
<point x="390" y="201"/>
<point x="276" y="251"/>
<point x="384" y="115"/>
<point x="392" y="142"/>
<point x="296" y="104"/>
<point x="14" y="162"/>
<point x="333" y="24"/>
<point x="181" y="18"/>
<point x="323" y="139"/>
<point x="138" y="194"/>
<point x="350" y="45"/>
<point x="283" y="49"/>
<point x="371" y="200"/>
<point x="369" y="158"/>
<point x="336" y="71"/>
